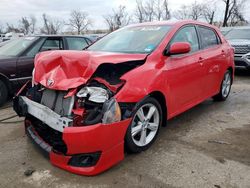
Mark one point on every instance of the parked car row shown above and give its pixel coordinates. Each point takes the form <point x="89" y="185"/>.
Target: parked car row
<point x="17" y="58"/>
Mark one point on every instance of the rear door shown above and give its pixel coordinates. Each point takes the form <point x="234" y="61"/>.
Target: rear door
<point x="184" y="72"/>
<point x="213" y="57"/>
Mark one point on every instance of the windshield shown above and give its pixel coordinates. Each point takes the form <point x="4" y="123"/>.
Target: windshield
<point x="238" y="34"/>
<point x="139" y="39"/>
<point x="16" y="46"/>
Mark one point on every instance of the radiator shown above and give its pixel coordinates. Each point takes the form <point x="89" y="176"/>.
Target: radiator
<point x="55" y="101"/>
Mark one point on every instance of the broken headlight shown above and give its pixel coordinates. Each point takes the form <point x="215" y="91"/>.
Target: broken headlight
<point x="111" y="112"/>
<point x="94" y="94"/>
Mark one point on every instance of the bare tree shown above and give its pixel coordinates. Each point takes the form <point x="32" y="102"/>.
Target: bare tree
<point x="182" y="13"/>
<point x="50" y="26"/>
<point x="1" y="28"/>
<point x="196" y="11"/>
<point x="209" y="13"/>
<point x="139" y="12"/>
<point x="117" y="19"/>
<point x="232" y="14"/>
<point x="12" y="28"/>
<point x="24" y="25"/>
<point x="166" y="13"/>
<point x="150" y="10"/>
<point x="79" y="20"/>
<point x="32" y="24"/>
<point x="158" y="10"/>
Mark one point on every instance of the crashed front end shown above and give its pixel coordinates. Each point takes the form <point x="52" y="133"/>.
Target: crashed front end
<point x="81" y="127"/>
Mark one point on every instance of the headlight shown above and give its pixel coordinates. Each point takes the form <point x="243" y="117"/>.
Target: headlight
<point x="111" y="112"/>
<point x="94" y="94"/>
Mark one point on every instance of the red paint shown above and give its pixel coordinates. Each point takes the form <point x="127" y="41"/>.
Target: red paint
<point x="113" y="88"/>
<point x="184" y="80"/>
<point x="70" y="69"/>
<point x="70" y="93"/>
<point x="180" y="48"/>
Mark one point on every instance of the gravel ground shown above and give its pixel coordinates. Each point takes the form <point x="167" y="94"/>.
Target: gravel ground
<point x="207" y="146"/>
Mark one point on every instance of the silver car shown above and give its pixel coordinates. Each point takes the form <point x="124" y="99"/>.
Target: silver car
<point x="239" y="38"/>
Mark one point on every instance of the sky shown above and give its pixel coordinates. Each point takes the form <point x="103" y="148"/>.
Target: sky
<point x="12" y="10"/>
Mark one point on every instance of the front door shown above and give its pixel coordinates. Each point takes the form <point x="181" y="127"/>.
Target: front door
<point x="185" y="73"/>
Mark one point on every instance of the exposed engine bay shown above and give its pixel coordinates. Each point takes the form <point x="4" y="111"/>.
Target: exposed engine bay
<point x="89" y="104"/>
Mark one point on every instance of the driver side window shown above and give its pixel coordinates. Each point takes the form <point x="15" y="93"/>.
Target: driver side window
<point x="187" y="34"/>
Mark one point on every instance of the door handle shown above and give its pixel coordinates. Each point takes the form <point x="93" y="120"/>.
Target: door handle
<point x="201" y="61"/>
<point x="223" y="53"/>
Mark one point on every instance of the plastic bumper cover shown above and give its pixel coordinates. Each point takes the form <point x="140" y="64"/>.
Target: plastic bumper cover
<point x="106" y="139"/>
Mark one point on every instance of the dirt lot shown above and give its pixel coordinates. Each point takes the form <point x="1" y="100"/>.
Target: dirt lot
<point x="208" y="146"/>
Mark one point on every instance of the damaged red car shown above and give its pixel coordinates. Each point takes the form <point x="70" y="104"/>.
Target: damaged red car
<point x="86" y="108"/>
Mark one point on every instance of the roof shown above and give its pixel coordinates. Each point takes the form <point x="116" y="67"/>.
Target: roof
<point x="57" y="36"/>
<point x="173" y="23"/>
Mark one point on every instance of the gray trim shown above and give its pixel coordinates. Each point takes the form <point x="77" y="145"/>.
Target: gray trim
<point x="22" y="78"/>
<point x="46" y="115"/>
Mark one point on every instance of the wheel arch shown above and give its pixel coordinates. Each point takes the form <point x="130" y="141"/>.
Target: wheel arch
<point x="159" y="96"/>
<point x="5" y="81"/>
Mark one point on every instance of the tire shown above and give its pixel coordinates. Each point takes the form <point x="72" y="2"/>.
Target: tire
<point x="225" y="87"/>
<point x="3" y="93"/>
<point x="145" y="129"/>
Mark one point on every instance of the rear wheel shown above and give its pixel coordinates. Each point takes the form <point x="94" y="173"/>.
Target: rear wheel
<point x="225" y="87"/>
<point x="3" y="93"/>
<point x="144" y="127"/>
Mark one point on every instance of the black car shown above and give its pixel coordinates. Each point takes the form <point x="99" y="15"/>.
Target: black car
<point x="17" y="58"/>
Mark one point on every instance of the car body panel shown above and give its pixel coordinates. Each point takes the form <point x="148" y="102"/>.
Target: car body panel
<point x="71" y="69"/>
<point x="8" y="67"/>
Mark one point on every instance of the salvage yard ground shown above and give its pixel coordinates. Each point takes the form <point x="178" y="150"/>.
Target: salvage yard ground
<point x="207" y="146"/>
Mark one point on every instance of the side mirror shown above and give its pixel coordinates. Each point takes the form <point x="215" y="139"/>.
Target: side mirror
<point x="178" y="48"/>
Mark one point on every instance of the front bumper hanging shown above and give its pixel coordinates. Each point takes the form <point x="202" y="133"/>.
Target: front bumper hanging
<point x="90" y="149"/>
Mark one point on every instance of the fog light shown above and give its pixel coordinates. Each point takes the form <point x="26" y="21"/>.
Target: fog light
<point x="84" y="160"/>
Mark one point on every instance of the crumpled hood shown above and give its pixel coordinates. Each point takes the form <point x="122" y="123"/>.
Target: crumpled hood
<point x="63" y="70"/>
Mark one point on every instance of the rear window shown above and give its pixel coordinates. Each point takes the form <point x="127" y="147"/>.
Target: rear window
<point x="208" y="37"/>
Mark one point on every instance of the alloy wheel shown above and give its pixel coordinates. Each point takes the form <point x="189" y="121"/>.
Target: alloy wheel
<point x="145" y="124"/>
<point x="226" y="84"/>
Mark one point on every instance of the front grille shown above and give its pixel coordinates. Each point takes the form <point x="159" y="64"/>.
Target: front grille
<point x="241" y="49"/>
<point x="49" y="135"/>
<point x="55" y="101"/>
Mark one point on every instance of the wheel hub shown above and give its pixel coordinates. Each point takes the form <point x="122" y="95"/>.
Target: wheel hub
<point x="145" y="124"/>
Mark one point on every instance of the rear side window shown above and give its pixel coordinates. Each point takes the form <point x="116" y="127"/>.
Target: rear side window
<point x="208" y="37"/>
<point x="187" y="34"/>
<point x="52" y="44"/>
<point x="34" y="49"/>
<point x="76" y="43"/>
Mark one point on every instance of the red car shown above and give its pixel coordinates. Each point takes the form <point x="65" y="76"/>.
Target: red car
<point x="84" y="108"/>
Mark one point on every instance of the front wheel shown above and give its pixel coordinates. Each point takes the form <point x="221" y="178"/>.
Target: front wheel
<point x="145" y="125"/>
<point x="3" y="93"/>
<point x="225" y="87"/>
